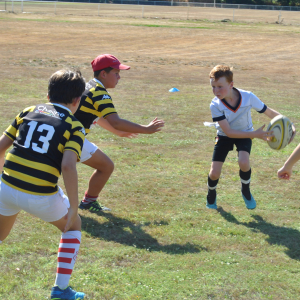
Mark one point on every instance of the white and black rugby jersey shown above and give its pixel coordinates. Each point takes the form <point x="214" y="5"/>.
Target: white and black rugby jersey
<point x="41" y="134"/>
<point x="239" y="117"/>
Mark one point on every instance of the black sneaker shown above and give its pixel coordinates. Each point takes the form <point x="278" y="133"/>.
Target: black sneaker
<point x="93" y="206"/>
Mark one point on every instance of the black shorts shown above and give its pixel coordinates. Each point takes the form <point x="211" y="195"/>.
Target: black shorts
<point x="225" y="144"/>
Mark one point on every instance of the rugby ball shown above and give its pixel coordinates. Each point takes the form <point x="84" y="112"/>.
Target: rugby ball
<point x="282" y="131"/>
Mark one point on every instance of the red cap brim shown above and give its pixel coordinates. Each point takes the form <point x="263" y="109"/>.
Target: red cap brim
<point x="120" y="67"/>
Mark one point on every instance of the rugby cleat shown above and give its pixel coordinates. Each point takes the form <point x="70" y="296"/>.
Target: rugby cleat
<point x="93" y="206"/>
<point x="66" y="294"/>
<point x="213" y="205"/>
<point x="250" y="204"/>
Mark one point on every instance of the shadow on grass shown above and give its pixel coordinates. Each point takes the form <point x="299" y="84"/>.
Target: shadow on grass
<point x="288" y="237"/>
<point x="127" y="233"/>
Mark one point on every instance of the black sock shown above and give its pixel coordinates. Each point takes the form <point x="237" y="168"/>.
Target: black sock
<point x="245" y="179"/>
<point x="211" y="194"/>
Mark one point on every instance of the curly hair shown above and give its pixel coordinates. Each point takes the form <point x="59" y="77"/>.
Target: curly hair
<point x="221" y="71"/>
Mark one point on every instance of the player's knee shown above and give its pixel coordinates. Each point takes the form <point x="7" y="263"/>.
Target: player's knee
<point x="244" y="165"/>
<point x="76" y="226"/>
<point x="214" y="175"/>
<point x="105" y="165"/>
<point x="109" y="166"/>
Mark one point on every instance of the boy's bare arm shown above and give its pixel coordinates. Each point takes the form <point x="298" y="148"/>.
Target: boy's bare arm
<point x="5" y="143"/>
<point x="286" y="171"/>
<point x="106" y="125"/>
<point x="232" y="133"/>
<point x="271" y="113"/>
<point x="69" y="172"/>
<point x="121" y="124"/>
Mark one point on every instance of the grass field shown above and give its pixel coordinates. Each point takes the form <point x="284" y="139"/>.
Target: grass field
<point x="159" y="241"/>
<point x="187" y="12"/>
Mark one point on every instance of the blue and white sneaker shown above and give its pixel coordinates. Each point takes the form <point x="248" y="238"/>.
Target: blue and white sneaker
<point x="212" y="206"/>
<point x="250" y="204"/>
<point x="66" y="294"/>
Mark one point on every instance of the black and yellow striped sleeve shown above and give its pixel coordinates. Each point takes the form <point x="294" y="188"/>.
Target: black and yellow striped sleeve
<point x="12" y="130"/>
<point x="76" y="137"/>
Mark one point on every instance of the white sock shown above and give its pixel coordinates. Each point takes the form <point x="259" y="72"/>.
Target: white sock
<point x="67" y="255"/>
<point x="88" y="199"/>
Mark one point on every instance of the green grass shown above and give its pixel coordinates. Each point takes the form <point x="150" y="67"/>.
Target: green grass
<point x="159" y="241"/>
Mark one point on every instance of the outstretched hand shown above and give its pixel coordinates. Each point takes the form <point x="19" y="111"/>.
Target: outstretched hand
<point x="264" y="135"/>
<point x="284" y="173"/>
<point x="155" y="125"/>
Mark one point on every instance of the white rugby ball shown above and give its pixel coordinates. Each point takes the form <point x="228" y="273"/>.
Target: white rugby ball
<point x="282" y="131"/>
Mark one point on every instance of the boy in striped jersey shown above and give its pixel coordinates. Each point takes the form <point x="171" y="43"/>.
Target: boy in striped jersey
<point x="231" y="110"/>
<point x="96" y="107"/>
<point x="47" y="140"/>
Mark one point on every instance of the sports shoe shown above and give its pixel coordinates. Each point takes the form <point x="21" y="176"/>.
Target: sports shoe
<point x="212" y="206"/>
<point x="93" y="206"/>
<point x="250" y="204"/>
<point x="66" y="294"/>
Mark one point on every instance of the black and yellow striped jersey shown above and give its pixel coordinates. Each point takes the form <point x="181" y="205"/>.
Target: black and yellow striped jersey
<point x="40" y="136"/>
<point x="95" y="103"/>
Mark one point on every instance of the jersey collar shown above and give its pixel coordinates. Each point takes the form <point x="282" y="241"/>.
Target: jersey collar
<point x="98" y="81"/>
<point x="238" y="105"/>
<point x="62" y="106"/>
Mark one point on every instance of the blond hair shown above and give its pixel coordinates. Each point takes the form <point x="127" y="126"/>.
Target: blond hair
<point x="221" y="71"/>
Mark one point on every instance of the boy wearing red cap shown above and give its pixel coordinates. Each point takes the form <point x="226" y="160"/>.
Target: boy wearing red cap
<point x="96" y="107"/>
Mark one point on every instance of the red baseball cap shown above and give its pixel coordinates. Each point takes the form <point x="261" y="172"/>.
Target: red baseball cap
<point x="107" y="60"/>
